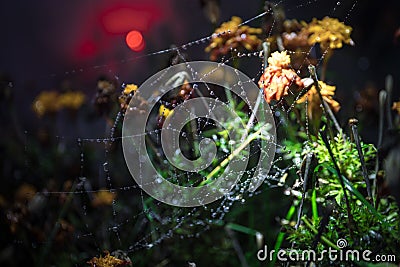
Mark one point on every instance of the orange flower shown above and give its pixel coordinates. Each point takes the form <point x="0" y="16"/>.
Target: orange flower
<point x="278" y="77"/>
<point x="314" y="102"/>
<point x="231" y="35"/>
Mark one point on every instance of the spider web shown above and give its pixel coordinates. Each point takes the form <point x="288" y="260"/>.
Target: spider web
<point x="139" y="225"/>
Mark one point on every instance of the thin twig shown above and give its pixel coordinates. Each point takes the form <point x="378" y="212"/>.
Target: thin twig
<point x="266" y="51"/>
<point x="354" y="130"/>
<point x="325" y="107"/>
<point x="305" y="185"/>
<point x="389" y="88"/>
<point x="237" y="247"/>
<point x="235" y="153"/>
<point x="382" y="101"/>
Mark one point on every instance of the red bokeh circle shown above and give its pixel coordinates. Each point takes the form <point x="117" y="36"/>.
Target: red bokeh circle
<point x="134" y="39"/>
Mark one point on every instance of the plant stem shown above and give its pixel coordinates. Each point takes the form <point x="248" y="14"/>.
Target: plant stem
<point x="389" y="88"/>
<point x="306" y="181"/>
<point x="325" y="107"/>
<point x="353" y="125"/>
<point x="281" y="235"/>
<point x="382" y="101"/>
<point x="314" y="206"/>
<point x="235" y="153"/>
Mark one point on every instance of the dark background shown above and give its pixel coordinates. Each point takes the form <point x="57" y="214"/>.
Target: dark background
<point x="45" y="43"/>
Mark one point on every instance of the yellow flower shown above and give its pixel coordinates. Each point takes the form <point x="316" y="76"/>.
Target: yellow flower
<point x="231" y="35"/>
<point x="71" y="100"/>
<point x="129" y="88"/>
<point x="314" y="102"/>
<point x="126" y="95"/>
<point x="103" y="198"/>
<point x="107" y="261"/>
<point x="164" y="112"/>
<point x="278" y="77"/>
<point x="46" y="102"/>
<point x="52" y="101"/>
<point x="329" y="33"/>
<point x="396" y="106"/>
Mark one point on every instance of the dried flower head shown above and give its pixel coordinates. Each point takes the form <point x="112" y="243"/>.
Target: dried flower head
<point x="107" y="261"/>
<point x="105" y="96"/>
<point x="278" y="77"/>
<point x="293" y="36"/>
<point x="46" y="102"/>
<point x="71" y="100"/>
<point x="329" y="33"/>
<point x="314" y="109"/>
<point x="231" y="35"/>
<point x="186" y="91"/>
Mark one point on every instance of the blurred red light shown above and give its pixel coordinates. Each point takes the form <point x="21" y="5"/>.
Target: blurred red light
<point x="134" y="39"/>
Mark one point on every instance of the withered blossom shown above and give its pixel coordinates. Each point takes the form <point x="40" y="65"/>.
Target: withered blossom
<point x="279" y="77"/>
<point x="293" y="37"/>
<point x="231" y="35"/>
<point x="186" y="91"/>
<point x="105" y="96"/>
<point x="108" y="261"/>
